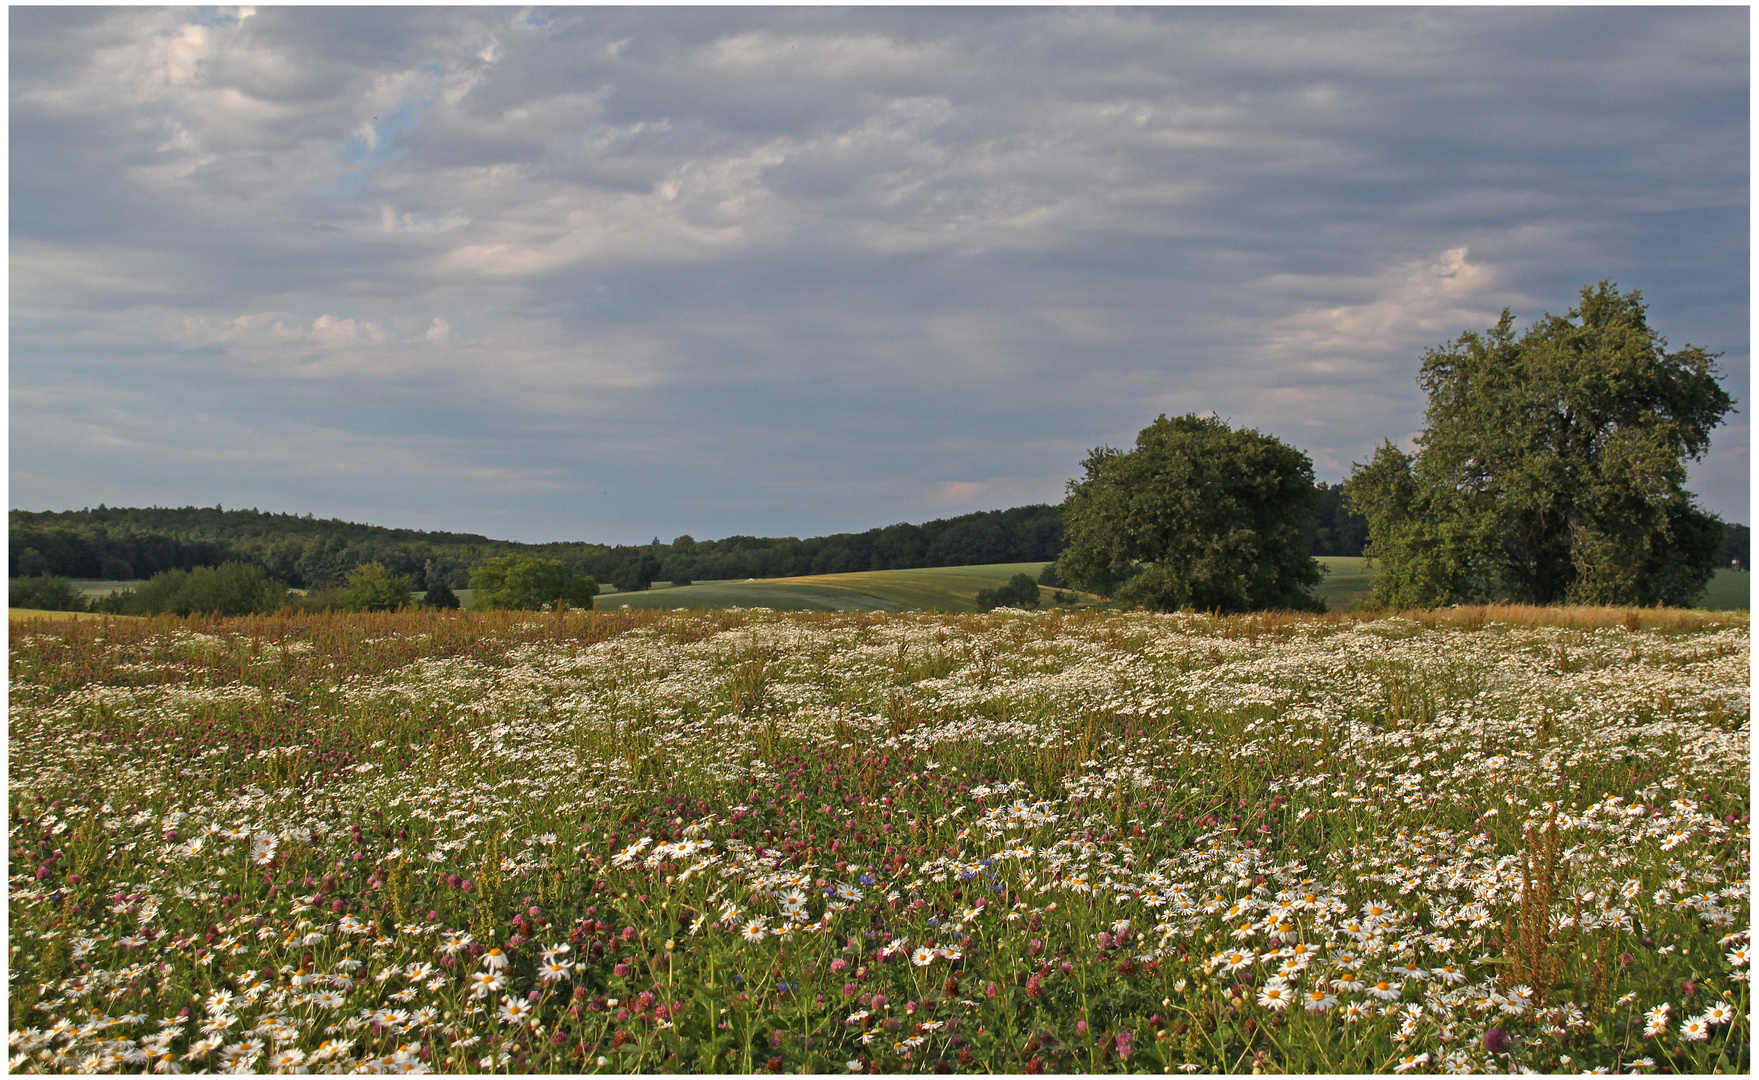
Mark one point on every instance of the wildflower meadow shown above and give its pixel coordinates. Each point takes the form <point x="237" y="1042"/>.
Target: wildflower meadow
<point x="749" y="841"/>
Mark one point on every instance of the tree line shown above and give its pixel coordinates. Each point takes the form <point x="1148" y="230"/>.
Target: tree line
<point x="306" y="552"/>
<point x="514" y="582"/>
<point x="120" y="544"/>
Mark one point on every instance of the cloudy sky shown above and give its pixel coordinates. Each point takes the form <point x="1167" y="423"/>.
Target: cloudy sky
<point x="608" y="274"/>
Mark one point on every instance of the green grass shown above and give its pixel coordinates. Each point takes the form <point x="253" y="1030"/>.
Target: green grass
<point x="92" y="588"/>
<point x="1729" y="590"/>
<point x="1346" y="583"/>
<point x="947" y="588"/>
<point x="952" y="588"/>
<point x="1350" y="578"/>
<point x="746" y="594"/>
<point x="19" y="614"/>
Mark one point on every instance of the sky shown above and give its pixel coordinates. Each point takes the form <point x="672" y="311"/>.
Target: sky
<point x="609" y="274"/>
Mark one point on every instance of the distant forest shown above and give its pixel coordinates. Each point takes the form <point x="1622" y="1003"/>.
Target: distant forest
<point x="309" y="552"/>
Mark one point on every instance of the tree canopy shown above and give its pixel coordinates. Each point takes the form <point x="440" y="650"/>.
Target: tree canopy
<point x="317" y="553"/>
<point x="1198" y="515"/>
<point x="1020" y="592"/>
<point x="1551" y="468"/>
<point x="371" y="587"/>
<point x="440" y="595"/>
<point x="46" y="594"/>
<point x="228" y="589"/>
<point x="528" y="583"/>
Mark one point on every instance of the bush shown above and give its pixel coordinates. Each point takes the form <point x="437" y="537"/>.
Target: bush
<point x="232" y="588"/>
<point x="372" y="588"/>
<point x="527" y="583"/>
<point x="1020" y="592"/>
<point x="1049" y="576"/>
<point x="46" y="594"/>
<point x="440" y="595"/>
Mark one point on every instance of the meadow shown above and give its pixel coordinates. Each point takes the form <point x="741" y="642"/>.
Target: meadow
<point x="1345" y="587"/>
<point x="944" y="588"/>
<point x="1482" y="839"/>
<point x="948" y="588"/>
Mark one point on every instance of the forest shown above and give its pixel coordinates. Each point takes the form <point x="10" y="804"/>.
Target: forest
<point x="308" y="552"/>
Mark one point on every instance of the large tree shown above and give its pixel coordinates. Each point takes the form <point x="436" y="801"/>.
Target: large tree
<point x="1552" y="467"/>
<point x="1197" y="516"/>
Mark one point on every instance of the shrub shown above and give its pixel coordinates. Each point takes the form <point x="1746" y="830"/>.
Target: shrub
<point x="46" y="594"/>
<point x="527" y="583"/>
<point x="232" y="588"/>
<point x="371" y="587"/>
<point x="1020" y="592"/>
<point x="440" y="595"/>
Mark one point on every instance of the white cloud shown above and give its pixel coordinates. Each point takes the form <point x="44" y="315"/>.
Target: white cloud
<point x="1421" y="300"/>
<point x="841" y="58"/>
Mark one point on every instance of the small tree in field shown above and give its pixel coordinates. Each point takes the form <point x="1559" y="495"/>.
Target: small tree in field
<point x="1198" y="515"/>
<point x="1020" y="592"/>
<point x="232" y="588"/>
<point x="371" y="587"/>
<point x="528" y="583"/>
<point x="440" y="595"/>
<point x="47" y="594"/>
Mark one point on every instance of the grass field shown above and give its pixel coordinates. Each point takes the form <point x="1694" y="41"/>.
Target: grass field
<point x="26" y="614"/>
<point x="1346" y="583"/>
<point x="951" y="588"/>
<point x="1729" y="590"/>
<point x="776" y="594"/>
<point x="93" y="588"/>
<point x="1349" y="579"/>
<point x="1473" y="840"/>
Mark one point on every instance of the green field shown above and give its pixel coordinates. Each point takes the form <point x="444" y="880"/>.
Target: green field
<point x="19" y="614"/>
<point x="777" y="595"/>
<point x="948" y="588"/>
<point x="1349" y="578"/>
<point x="945" y="588"/>
<point x="1729" y="590"/>
<point x="953" y="588"/>
<point x="92" y="588"/>
<point x="1347" y="581"/>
